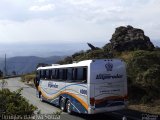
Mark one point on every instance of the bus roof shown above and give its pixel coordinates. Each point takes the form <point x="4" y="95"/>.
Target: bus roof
<point x="81" y="63"/>
<point x="75" y="64"/>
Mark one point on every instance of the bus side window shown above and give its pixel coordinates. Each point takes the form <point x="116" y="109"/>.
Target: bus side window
<point x="61" y="74"/>
<point x="50" y="74"/>
<point x="65" y="74"/>
<point x="57" y="74"/>
<point x="69" y="73"/>
<point x="47" y="74"/>
<point x="85" y="73"/>
<point x="53" y="74"/>
<point x="74" y="74"/>
<point x="44" y="74"/>
<point x="82" y="74"/>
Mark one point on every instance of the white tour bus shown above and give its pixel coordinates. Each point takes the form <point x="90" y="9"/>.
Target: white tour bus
<point x="90" y="86"/>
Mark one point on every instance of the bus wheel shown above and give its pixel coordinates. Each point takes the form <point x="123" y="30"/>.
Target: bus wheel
<point x="68" y="107"/>
<point x="62" y="104"/>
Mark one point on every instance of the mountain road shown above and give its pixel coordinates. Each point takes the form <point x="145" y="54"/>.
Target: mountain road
<point x="45" y="108"/>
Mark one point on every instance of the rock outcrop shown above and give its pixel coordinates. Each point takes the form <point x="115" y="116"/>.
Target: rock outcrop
<point x="92" y="46"/>
<point x="128" y="39"/>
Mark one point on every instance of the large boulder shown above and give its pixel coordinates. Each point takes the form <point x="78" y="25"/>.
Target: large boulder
<point x="128" y="39"/>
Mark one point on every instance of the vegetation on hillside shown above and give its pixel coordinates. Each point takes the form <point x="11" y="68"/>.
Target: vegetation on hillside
<point x="141" y="57"/>
<point x="143" y="75"/>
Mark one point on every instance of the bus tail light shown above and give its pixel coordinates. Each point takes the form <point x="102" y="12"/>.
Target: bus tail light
<point x="126" y="97"/>
<point x="92" y="101"/>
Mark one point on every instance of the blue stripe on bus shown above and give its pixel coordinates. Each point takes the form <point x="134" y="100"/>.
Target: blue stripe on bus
<point x="75" y="104"/>
<point x="62" y="88"/>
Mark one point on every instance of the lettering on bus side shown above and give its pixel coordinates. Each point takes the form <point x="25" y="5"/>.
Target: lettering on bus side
<point x="84" y="92"/>
<point x="51" y="85"/>
<point x="108" y="76"/>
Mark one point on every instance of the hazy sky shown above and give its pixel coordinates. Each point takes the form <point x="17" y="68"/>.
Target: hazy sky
<point x="74" y="21"/>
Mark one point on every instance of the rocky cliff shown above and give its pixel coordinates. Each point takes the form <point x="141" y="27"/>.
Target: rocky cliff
<point x="128" y="39"/>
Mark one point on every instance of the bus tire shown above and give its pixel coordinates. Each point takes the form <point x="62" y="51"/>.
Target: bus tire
<point x="62" y="104"/>
<point x="68" y="107"/>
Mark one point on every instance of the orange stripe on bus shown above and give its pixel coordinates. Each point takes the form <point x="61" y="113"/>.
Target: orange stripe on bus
<point x="63" y="92"/>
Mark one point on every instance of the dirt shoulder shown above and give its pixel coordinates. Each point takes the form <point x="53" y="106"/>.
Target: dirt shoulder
<point x="152" y="108"/>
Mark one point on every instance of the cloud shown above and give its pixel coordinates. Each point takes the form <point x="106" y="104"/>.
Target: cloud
<point x="97" y="11"/>
<point x="50" y="31"/>
<point x="80" y="2"/>
<point x="48" y="7"/>
<point x="75" y="20"/>
<point x="41" y="1"/>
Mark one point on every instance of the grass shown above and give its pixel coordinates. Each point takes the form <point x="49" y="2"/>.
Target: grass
<point x="28" y="79"/>
<point x="152" y="108"/>
<point x="126" y="56"/>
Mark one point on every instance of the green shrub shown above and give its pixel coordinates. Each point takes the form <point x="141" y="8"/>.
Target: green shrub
<point x="12" y="103"/>
<point x="28" y="78"/>
<point x="143" y="70"/>
<point x="151" y="76"/>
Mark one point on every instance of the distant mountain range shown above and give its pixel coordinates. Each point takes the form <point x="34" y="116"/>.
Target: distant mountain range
<point x="26" y="64"/>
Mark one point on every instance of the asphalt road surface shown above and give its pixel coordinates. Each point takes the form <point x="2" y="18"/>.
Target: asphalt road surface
<point x="30" y="94"/>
